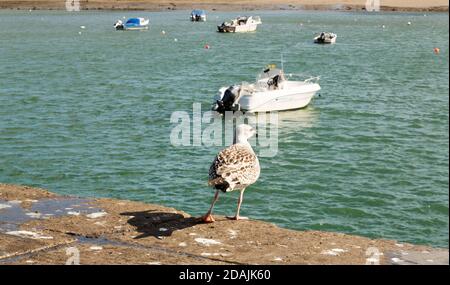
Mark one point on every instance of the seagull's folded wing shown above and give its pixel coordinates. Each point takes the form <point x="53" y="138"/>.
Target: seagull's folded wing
<point x="237" y="165"/>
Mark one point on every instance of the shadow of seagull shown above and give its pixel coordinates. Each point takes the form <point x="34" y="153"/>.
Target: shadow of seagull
<point x="158" y="224"/>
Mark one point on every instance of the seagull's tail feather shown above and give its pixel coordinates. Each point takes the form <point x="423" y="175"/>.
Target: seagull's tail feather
<point x="219" y="183"/>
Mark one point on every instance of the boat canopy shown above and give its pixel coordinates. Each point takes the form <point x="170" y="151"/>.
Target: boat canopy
<point x="135" y="21"/>
<point x="197" y="12"/>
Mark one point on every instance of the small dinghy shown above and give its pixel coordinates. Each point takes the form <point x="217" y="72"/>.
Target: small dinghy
<point x="240" y="25"/>
<point x="198" y="16"/>
<point x="272" y="91"/>
<point x="132" y="24"/>
<point x="325" y="38"/>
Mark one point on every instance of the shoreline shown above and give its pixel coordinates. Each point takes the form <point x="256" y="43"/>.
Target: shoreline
<point x="219" y="5"/>
<point x="39" y="227"/>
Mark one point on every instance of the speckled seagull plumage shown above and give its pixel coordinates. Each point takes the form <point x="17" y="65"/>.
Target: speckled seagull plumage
<point x="234" y="168"/>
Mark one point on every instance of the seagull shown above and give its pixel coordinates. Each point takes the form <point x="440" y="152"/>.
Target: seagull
<point x="234" y="168"/>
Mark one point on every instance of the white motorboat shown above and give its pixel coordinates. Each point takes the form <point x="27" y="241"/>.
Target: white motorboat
<point x="132" y="24"/>
<point x="240" y="25"/>
<point x="198" y="15"/>
<point x="272" y="91"/>
<point x="325" y="38"/>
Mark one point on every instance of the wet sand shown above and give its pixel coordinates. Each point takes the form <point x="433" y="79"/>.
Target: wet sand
<point x="224" y="5"/>
<point x="40" y="227"/>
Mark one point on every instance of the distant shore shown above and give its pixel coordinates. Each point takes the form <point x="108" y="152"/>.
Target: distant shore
<point x="230" y="5"/>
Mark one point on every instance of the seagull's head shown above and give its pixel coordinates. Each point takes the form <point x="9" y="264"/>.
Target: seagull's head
<point x="244" y="132"/>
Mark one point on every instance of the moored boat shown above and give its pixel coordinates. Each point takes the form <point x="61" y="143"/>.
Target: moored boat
<point x="198" y="15"/>
<point x="240" y="25"/>
<point x="325" y="38"/>
<point x="132" y="24"/>
<point x="272" y="91"/>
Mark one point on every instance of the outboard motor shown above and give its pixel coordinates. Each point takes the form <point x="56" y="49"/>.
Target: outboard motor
<point x="321" y="37"/>
<point x="228" y="100"/>
<point x="118" y="25"/>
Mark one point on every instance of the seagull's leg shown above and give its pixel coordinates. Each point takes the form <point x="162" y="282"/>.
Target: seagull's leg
<point x="237" y="217"/>
<point x="208" y="218"/>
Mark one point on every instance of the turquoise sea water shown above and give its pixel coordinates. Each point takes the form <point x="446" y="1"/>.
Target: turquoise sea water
<point x="89" y="114"/>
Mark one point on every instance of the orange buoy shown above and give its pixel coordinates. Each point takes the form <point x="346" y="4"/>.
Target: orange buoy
<point x="436" y="50"/>
<point x="207" y="46"/>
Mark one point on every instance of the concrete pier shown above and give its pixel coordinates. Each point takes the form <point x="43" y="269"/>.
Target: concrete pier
<point x="40" y="227"/>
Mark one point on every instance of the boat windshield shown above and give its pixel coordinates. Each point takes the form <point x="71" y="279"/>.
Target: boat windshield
<point x="242" y="20"/>
<point x="269" y="73"/>
<point x="270" y="79"/>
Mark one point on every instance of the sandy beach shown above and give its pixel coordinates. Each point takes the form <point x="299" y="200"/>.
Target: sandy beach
<point x="222" y="5"/>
